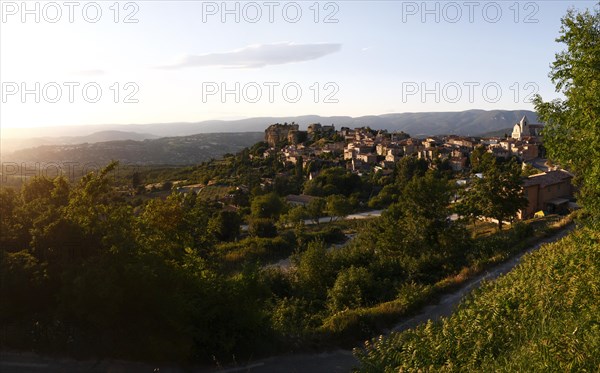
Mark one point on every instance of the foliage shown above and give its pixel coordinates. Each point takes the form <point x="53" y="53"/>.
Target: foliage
<point x="409" y="167"/>
<point x="314" y="271"/>
<point x="502" y="328"/>
<point x="386" y="196"/>
<point x="84" y="274"/>
<point x="262" y="227"/>
<point x="333" y="180"/>
<point x="416" y="232"/>
<point x="268" y="206"/>
<point x="481" y="160"/>
<point x="351" y="289"/>
<point x="295" y="215"/>
<point x="255" y="249"/>
<point x="497" y="194"/>
<point x="572" y="134"/>
<point x="225" y="225"/>
<point x="293" y="317"/>
<point x="316" y="209"/>
<point x="338" y="206"/>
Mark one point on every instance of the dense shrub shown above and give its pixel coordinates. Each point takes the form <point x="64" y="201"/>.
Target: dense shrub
<point x="351" y="289"/>
<point x="262" y="227"/>
<point x="254" y="249"/>
<point x="542" y="316"/>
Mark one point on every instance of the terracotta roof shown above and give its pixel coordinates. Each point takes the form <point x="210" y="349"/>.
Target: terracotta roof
<point x="547" y="178"/>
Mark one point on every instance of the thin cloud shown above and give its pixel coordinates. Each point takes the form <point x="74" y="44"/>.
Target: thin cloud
<point x="261" y="55"/>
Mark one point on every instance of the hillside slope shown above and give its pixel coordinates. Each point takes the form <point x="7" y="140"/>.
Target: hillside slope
<point x="10" y="145"/>
<point x="542" y="316"/>
<point x="169" y="150"/>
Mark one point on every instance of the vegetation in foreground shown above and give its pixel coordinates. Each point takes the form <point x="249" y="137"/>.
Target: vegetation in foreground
<point x="87" y="272"/>
<point x="542" y="316"/>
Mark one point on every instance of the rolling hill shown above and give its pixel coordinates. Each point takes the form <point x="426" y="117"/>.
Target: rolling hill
<point x="10" y="145"/>
<point x="163" y="151"/>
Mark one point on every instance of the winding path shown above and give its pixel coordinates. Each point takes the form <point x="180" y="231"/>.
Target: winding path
<point x="344" y="361"/>
<point x="327" y="362"/>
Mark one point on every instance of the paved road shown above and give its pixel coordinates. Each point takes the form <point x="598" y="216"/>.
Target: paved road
<point x="328" y="362"/>
<point x="19" y="362"/>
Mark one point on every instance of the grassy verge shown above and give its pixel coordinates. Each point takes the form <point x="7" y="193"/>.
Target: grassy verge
<point x="542" y="316"/>
<point x="351" y="326"/>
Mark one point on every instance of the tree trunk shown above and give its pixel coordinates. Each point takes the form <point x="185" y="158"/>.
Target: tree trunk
<point x="499" y="224"/>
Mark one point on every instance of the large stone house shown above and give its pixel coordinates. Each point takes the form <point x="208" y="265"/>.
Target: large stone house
<point x="549" y="192"/>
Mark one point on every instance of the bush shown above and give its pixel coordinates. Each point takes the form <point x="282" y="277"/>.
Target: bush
<point x="257" y="249"/>
<point x="314" y="271"/>
<point x="542" y="316"/>
<point x="293" y="317"/>
<point x="328" y="235"/>
<point x="262" y="227"/>
<point x="351" y="289"/>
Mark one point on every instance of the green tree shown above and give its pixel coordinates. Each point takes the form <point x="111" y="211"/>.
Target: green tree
<point x="480" y="159"/>
<point x="314" y="271"/>
<point x="163" y="227"/>
<point x="409" y="167"/>
<point x="267" y="206"/>
<point x="498" y="194"/>
<point x="22" y="280"/>
<point x="262" y="227"/>
<point x="316" y="209"/>
<point x="333" y="180"/>
<point x="225" y="225"/>
<point x="388" y="195"/>
<point x="572" y="133"/>
<point x="338" y="206"/>
<point x="350" y="290"/>
<point x="295" y="215"/>
<point x="416" y="233"/>
<point x="14" y="232"/>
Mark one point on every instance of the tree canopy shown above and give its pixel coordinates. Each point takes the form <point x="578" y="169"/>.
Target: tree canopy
<point x="572" y="131"/>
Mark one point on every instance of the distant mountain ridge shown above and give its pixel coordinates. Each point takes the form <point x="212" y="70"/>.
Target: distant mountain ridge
<point x="470" y="122"/>
<point x="182" y="150"/>
<point x="10" y="145"/>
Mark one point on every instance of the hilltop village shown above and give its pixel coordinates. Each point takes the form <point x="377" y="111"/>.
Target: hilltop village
<point x="363" y="149"/>
<point x="301" y="166"/>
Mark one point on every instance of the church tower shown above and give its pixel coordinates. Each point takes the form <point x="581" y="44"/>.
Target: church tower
<point x="521" y="129"/>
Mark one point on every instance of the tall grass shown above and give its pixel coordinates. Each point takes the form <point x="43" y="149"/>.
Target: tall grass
<point x="542" y="316"/>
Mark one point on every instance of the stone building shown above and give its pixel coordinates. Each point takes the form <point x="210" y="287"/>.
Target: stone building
<point x="277" y="134"/>
<point x="549" y="191"/>
<point x="524" y="129"/>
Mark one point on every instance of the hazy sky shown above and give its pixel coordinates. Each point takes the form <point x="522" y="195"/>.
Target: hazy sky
<point x="159" y="61"/>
